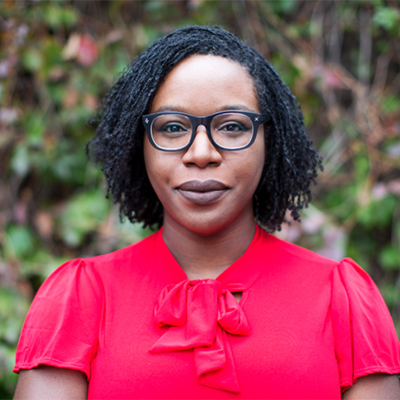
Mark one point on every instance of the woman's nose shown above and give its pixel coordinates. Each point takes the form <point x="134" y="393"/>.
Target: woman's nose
<point x="202" y="152"/>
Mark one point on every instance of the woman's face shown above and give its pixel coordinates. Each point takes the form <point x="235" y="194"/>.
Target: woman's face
<point x="203" y="85"/>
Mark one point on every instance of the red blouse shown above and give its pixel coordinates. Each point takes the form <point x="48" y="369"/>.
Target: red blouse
<point x="305" y="328"/>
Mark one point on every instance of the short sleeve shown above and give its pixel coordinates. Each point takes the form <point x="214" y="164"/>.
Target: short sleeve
<point x="62" y="325"/>
<point x="365" y="338"/>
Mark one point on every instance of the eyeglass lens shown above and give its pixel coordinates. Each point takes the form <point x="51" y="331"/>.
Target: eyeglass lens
<point x="229" y="130"/>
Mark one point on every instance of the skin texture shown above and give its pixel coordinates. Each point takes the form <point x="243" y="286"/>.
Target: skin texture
<point x="375" y="386"/>
<point x="206" y="239"/>
<point x="50" y="383"/>
<point x="200" y="85"/>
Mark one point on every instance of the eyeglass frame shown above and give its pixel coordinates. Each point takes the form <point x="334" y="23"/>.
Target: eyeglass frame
<point x="256" y="119"/>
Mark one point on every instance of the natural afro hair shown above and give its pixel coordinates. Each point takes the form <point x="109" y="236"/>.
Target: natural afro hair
<point x="291" y="162"/>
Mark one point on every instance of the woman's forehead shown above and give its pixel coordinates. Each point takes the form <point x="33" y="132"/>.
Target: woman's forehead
<point x="207" y="82"/>
<point x="209" y="65"/>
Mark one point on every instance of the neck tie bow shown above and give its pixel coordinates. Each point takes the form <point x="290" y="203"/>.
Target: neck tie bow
<point x="200" y="314"/>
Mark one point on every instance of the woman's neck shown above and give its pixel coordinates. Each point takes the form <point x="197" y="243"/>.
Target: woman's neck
<point x="204" y="257"/>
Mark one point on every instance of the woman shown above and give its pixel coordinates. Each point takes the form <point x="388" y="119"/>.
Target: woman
<point x="201" y="137"/>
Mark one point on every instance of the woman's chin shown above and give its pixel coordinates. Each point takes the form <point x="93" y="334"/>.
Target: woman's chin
<point x="210" y="223"/>
<point x="202" y="226"/>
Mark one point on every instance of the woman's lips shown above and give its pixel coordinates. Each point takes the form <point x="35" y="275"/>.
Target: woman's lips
<point x="202" y="198"/>
<point x="202" y="193"/>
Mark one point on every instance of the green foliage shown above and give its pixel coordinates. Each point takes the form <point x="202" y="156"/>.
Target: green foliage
<point x="82" y="215"/>
<point x="13" y="308"/>
<point x="378" y="214"/>
<point x="282" y="7"/>
<point x="287" y="71"/>
<point x="32" y="59"/>
<point x="57" y="17"/>
<point x="387" y="18"/>
<point x="390" y="104"/>
<point x="58" y="59"/>
<point x="389" y="258"/>
<point x="19" y="242"/>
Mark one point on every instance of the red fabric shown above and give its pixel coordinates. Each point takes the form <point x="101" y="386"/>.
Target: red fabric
<point x="305" y="328"/>
<point x="200" y="313"/>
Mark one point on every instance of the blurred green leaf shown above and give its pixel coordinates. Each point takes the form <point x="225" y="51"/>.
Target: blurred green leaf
<point x="20" y="160"/>
<point x="282" y="7"/>
<point x="65" y="166"/>
<point x="52" y="14"/>
<point x="82" y="215"/>
<point x="8" y="379"/>
<point x="378" y="213"/>
<point x="361" y="164"/>
<point x="13" y="309"/>
<point x="32" y="59"/>
<point x="19" y="242"/>
<point x="390" y="104"/>
<point x="34" y="126"/>
<point x="389" y="294"/>
<point x="69" y="17"/>
<point x="387" y="17"/>
<point x="389" y="258"/>
<point x="56" y="16"/>
<point x="287" y="70"/>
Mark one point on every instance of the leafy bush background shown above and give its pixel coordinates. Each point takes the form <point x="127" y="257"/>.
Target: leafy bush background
<point x="57" y="59"/>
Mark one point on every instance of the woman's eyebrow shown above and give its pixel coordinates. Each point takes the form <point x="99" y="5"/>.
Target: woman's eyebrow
<point x="236" y="107"/>
<point x="169" y="108"/>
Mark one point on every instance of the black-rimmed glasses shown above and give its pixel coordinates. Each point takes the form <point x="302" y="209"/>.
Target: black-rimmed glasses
<point x="226" y="130"/>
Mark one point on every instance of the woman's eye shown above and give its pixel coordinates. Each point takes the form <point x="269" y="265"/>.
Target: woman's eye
<point x="233" y="127"/>
<point x="173" y="128"/>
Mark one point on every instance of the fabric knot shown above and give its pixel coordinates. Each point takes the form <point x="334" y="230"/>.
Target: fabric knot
<point x="200" y="313"/>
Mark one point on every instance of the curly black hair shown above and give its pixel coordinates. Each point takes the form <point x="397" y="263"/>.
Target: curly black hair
<point x="291" y="163"/>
